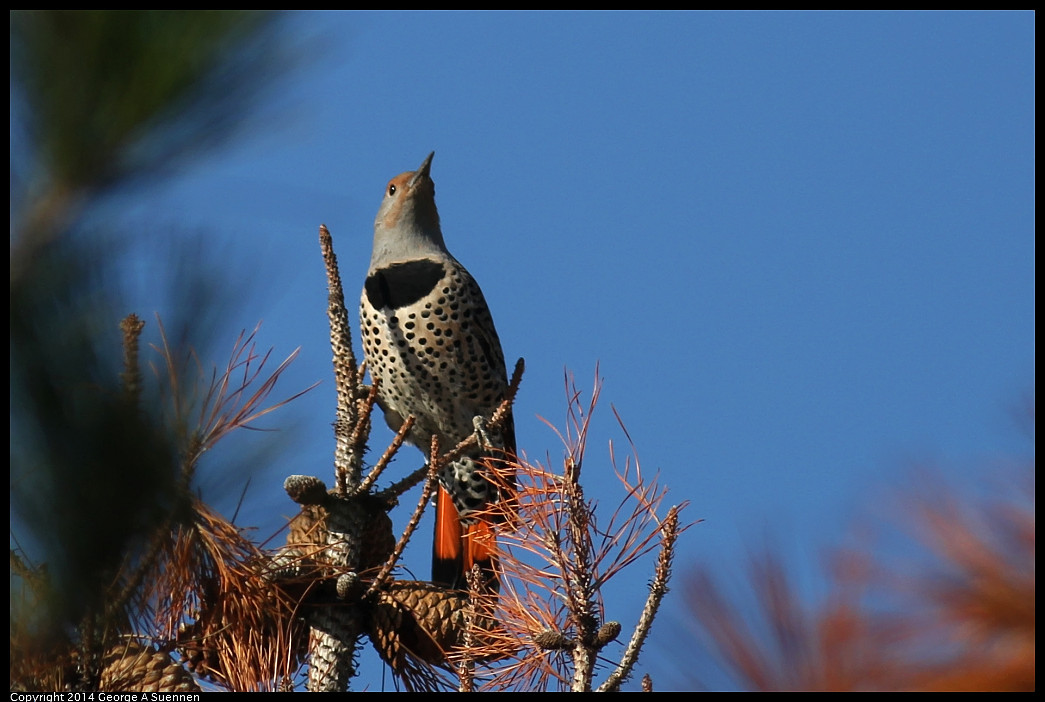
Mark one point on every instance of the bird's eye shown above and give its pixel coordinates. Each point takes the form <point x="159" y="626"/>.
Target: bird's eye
<point x="391" y="188"/>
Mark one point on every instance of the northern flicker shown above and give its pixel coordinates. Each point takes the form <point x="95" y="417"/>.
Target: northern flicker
<point x="430" y="343"/>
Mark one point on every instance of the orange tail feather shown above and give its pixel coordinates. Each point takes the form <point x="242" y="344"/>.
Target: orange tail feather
<point x="457" y="547"/>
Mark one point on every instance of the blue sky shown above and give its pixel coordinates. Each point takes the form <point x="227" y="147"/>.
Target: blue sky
<point x="800" y="247"/>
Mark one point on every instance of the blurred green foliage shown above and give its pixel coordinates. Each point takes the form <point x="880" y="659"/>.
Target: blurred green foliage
<point x="100" y="100"/>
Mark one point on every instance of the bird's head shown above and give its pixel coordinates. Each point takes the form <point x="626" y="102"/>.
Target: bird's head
<point x="407" y="223"/>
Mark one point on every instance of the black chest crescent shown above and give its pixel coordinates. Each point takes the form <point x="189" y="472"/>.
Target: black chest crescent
<point x="402" y="284"/>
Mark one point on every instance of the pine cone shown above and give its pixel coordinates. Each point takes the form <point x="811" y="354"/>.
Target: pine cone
<point x="423" y="621"/>
<point x="134" y="667"/>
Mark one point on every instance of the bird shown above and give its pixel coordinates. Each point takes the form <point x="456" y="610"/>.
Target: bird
<point x="430" y="344"/>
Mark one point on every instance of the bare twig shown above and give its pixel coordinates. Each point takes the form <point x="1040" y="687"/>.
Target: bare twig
<point x="415" y="519"/>
<point x="658" y="588"/>
<point x="348" y="454"/>
<point x="335" y="631"/>
<point x="131" y="379"/>
<point x="386" y="457"/>
<point x="392" y="493"/>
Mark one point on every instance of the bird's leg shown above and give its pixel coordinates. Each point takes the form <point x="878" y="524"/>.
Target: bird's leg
<point x="481" y="437"/>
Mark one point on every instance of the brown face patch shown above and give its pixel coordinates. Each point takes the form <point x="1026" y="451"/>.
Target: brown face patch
<point x="397" y="192"/>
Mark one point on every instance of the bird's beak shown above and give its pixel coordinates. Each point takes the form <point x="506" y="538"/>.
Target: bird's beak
<point x="424" y="170"/>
